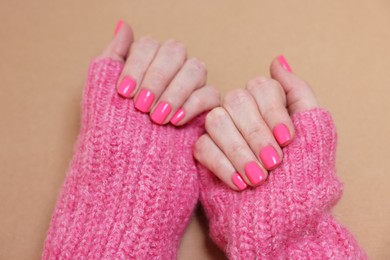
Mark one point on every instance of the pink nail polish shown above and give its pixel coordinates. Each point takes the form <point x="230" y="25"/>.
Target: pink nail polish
<point x="144" y="100"/>
<point x="269" y="157"/>
<point x="118" y="26"/>
<point x="239" y="182"/>
<point x="254" y="173"/>
<point x="126" y="86"/>
<point x="178" y="116"/>
<point x="161" y="112"/>
<point x="282" y="134"/>
<point x="284" y="63"/>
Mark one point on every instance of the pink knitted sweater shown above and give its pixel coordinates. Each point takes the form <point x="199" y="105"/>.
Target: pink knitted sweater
<point x="288" y="217"/>
<point x="132" y="187"/>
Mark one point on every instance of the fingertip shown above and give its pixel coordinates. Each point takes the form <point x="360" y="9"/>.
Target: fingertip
<point x="284" y="63"/>
<point x="123" y="39"/>
<point x="283" y="134"/>
<point x="280" y="68"/>
<point x="118" y="26"/>
<point x="299" y="94"/>
<point x="239" y="183"/>
<point x="123" y="29"/>
<point x="119" y="46"/>
<point x="178" y="118"/>
<point x="271" y="156"/>
<point x="256" y="175"/>
<point x="126" y="86"/>
<point x="201" y="101"/>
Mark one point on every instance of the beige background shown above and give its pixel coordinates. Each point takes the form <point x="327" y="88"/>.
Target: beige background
<point x="341" y="47"/>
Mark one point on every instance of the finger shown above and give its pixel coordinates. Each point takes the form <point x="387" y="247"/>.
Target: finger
<point x="201" y="100"/>
<point x="169" y="59"/>
<point x="141" y="56"/>
<point x="243" y="110"/>
<point x="190" y="77"/>
<point x="271" y="101"/>
<point x="210" y="156"/>
<point x="119" y="46"/>
<point x="300" y="96"/>
<point x="226" y="136"/>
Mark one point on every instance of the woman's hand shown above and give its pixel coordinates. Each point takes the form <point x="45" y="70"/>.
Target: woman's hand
<point x="161" y="78"/>
<point x="246" y="134"/>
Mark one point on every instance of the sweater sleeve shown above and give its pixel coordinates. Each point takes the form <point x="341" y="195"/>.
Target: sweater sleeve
<point x="288" y="217"/>
<point x="131" y="186"/>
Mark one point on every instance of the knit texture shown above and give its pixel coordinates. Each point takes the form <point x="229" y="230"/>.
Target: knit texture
<point x="288" y="217"/>
<point x="132" y="185"/>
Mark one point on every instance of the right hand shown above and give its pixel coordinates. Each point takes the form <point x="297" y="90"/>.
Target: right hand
<point x="246" y="134"/>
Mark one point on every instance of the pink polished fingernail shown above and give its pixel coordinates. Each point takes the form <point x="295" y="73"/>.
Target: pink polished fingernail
<point x="282" y="134"/>
<point x="126" y="86"/>
<point x="118" y="26"/>
<point x="282" y="60"/>
<point x="269" y="157"/>
<point x="239" y="182"/>
<point x="178" y="116"/>
<point x="144" y="100"/>
<point x="161" y="112"/>
<point x="255" y="173"/>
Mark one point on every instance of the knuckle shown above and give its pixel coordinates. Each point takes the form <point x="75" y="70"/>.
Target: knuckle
<point x="182" y="91"/>
<point x="256" y="82"/>
<point x="215" y="118"/>
<point x="236" y="97"/>
<point x="217" y="163"/>
<point x="147" y="41"/>
<point x="200" y="147"/>
<point x="197" y="101"/>
<point x="215" y="96"/>
<point x="265" y="86"/>
<point x="176" y="47"/>
<point x="262" y="82"/>
<point x="253" y="132"/>
<point x="198" y="66"/>
<point x="237" y="148"/>
<point x="273" y="109"/>
<point x="158" y="77"/>
<point x="202" y="153"/>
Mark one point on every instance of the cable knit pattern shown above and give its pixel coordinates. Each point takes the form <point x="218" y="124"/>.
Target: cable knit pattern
<point x="289" y="216"/>
<point x="132" y="185"/>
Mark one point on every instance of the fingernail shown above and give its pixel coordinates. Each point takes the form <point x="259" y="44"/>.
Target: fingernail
<point x="118" y="26"/>
<point x="126" y="86"/>
<point x="269" y="157"/>
<point x="178" y="116"/>
<point x="144" y="100"/>
<point x="282" y="134"/>
<point x="239" y="182"/>
<point x="255" y="173"/>
<point x="284" y="63"/>
<point x="161" y="112"/>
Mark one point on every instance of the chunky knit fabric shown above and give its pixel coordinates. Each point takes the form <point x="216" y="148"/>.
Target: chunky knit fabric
<point x="289" y="216"/>
<point x="132" y="185"/>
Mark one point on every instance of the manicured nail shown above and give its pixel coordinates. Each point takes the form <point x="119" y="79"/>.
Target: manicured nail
<point x="126" y="86"/>
<point x="269" y="157"/>
<point x="255" y="173"/>
<point x="284" y="63"/>
<point x="282" y="134"/>
<point x="239" y="182"/>
<point x="118" y="26"/>
<point x="178" y="116"/>
<point x="144" y="100"/>
<point x="161" y="112"/>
